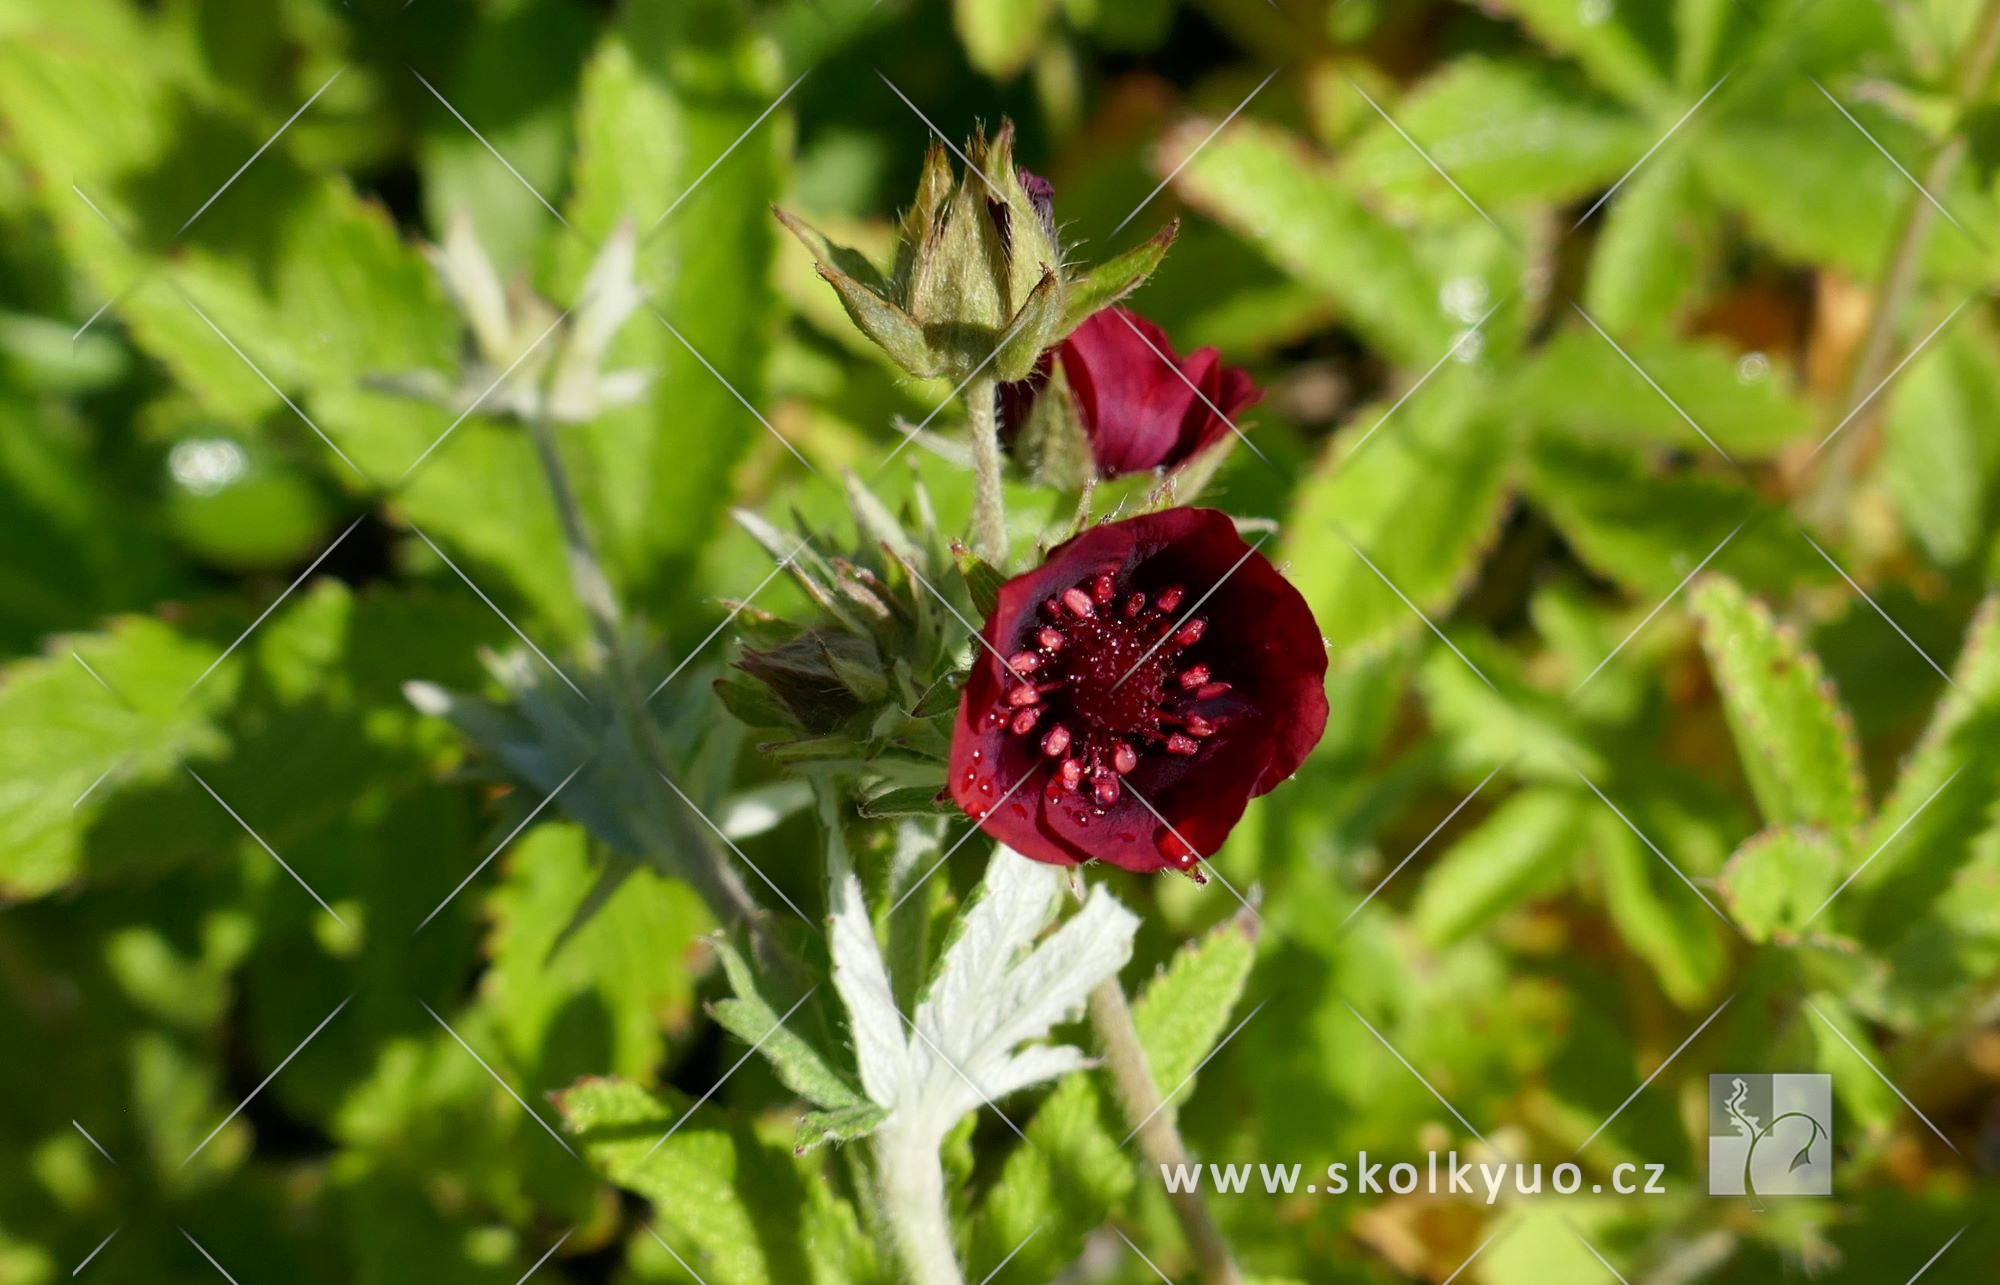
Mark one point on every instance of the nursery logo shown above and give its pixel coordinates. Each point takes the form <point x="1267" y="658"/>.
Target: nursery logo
<point x="1770" y="1135"/>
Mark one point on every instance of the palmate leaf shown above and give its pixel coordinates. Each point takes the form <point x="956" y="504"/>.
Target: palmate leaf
<point x="1270" y="189"/>
<point x="1794" y="739"/>
<point x="1074" y="1172"/>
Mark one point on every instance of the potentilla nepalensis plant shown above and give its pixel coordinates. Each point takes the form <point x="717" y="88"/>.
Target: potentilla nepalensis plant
<point x="1128" y="688"/>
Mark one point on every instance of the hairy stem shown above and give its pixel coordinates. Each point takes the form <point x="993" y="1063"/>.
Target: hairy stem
<point x="717" y="883"/>
<point x="910" y="1178"/>
<point x="1159" y="1140"/>
<point x="1899" y="280"/>
<point x="989" y="505"/>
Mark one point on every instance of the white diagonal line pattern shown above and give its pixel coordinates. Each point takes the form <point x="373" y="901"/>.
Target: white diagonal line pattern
<point x="1831" y="1025"/>
<point x="969" y="626"/>
<point x="497" y="1080"/>
<point x="687" y="1114"/>
<point x="94" y="1142"/>
<point x="726" y="620"/>
<point x="964" y="160"/>
<point x="89" y="789"/>
<point x="1421" y="845"/>
<point x="1653" y="847"/>
<point x="1879" y="849"/>
<point x="1413" y="607"/>
<point x="1940" y="1254"/>
<point x="960" y="1072"/>
<point x="1419" y="1074"/>
<point x="210" y="1257"/>
<point x="676" y="1257"/>
<point x="1887" y="379"/>
<point x="100" y="1249"/>
<point x="1651" y="381"/>
<point x="282" y="395"/>
<point x="696" y="353"/>
<point x="273" y="607"/>
<point x="911" y="434"/>
<point x="738" y="851"/>
<point x="1206" y="863"/>
<point x="545" y="1257"/>
<point x="266" y="1080"/>
<point x="500" y="846"/>
<point x="1654" y="1076"/>
<point x="259" y="152"/>
<point x="921" y="880"/>
<point x="1410" y="392"/>
<point x="1189" y="613"/>
<point x="1010" y="1254"/>
<point x="266" y="847"/>
<point x="1428" y="160"/>
<point x="1197" y="1070"/>
<point x="1142" y="1255"/>
<point x="751" y="129"/>
<point x="503" y="615"/>
<point x="489" y="147"/>
<point x="1657" y="610"/>
<point x="1594" y="1254"/>
<point x="1891" y="157"/>
<point x="1181" y="375"/>
<point x="1503" y="1230"/>
<point x="480" y="400"/>
<point x="1878" y="607"/>
<point x="1599" y="202"/>
<point x="1175" y="173"/>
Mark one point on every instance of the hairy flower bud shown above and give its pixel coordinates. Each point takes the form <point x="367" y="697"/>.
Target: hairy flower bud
<point x="979" y="281"/>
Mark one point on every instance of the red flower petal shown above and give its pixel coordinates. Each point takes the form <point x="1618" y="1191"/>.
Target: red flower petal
<point x="1176" y="675"/>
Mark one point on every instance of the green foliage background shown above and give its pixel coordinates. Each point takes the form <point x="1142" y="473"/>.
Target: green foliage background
<point x="1498" y="409"/>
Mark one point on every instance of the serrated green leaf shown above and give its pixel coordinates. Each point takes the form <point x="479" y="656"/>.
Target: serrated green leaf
<point x="818" y="1128"/>
<point x="1271" y="190"/>
<point x="1421" y="498"/>
<point x="1579" y="383"/>
<point x="1779" y="879"/>
<point x="738" y="1209"/>
<point x="1941" y="802"/>
<point x="799" y="1065"/>
<point x="1525" y="848"/>
<point x="1657" y="251"/>
<point x="1505" y="132"/>
<point x="1795" y="741"/>
<point x="1647" y="528"/>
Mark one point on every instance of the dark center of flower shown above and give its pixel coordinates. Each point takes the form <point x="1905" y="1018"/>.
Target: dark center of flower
<point x="1104" y="684"/>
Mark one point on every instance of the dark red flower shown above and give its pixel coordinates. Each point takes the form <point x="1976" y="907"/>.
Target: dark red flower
<point x="1154" y="663"/>
<point x="1138" y="413"/>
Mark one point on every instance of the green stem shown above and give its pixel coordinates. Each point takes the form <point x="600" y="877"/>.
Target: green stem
<point x="1899" y="280"/>
<point x="989" y="504"/>
<point x="1159" y="1139"/>
<point x="717" y="883"/>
